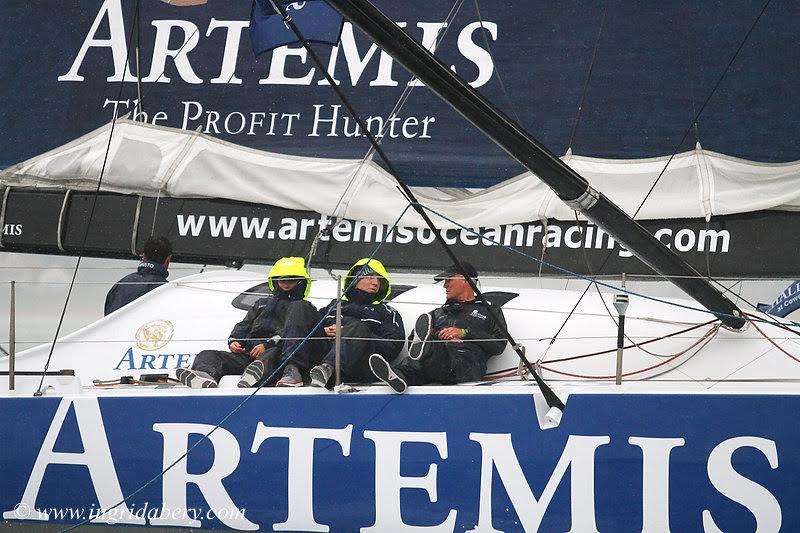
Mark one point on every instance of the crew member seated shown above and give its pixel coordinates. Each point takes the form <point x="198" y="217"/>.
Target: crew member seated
<point x="369" y="326"/>
<point x="152" y="272"/>
<point x="271" y="332"/>
<point x="450" y="344"/>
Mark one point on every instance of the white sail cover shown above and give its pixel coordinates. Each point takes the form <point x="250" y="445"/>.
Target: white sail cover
<point x="157" y="161"/>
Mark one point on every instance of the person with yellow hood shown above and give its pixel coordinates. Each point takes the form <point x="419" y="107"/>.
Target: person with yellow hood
<point x="271" y="331"/>
<point x="369" y="325"/>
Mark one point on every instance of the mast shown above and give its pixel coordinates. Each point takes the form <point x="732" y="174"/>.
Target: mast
<point x="568" y="185"/>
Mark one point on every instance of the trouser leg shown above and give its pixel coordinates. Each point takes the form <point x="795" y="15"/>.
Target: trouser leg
<point x="301" y="318"/>
<point x="447" y="363"/>
<point x="467" y="362"/>
<point x="270" y="360"/>
<point x="411" y="371"/>
<point x="218" y="363"/>
<point x="356" y="348"/>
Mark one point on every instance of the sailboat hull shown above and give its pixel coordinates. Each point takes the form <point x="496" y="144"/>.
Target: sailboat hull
<point x="464" y="458"/>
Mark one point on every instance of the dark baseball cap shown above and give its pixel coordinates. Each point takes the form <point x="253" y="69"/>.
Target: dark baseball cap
<point x="452" y="270"/>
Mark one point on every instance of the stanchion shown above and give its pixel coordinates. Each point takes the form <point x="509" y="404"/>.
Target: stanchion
<point x="12" y="337"/>
<point x="338" y="330"/>
<point x="621" y="305"/>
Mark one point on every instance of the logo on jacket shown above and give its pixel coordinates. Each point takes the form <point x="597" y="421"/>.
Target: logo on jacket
<point x="475" y="313"/>
<point x="154" y="334"/>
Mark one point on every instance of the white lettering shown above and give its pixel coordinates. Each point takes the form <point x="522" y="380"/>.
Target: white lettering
<point x="476" y="54"/>
<point x="578" y="455"/>
<point x="179" y="55"/>
<point x="655" y="480"/>
<point x="222" y="224"/>
<point x="96" y="457"/>
<point x="277" y="68"/>
<point x="177" y="478"/>
<point x="233" y="35"/>
<point x="389" y="482"/>
<point x="757" y="499"/>
<point x="190" y="224"/>
<point x="301" y="470"/>
<point x="116" y="42"/>
<point x="257" y="225"/>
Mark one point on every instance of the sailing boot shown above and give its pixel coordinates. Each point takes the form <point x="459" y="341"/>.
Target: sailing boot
<point x="321" y="374"/>
<point x="252" y="374"/>
<point x="291" y="377"/>
<point x="384" y="372"/>
<point x="422" y="334"/>
<point x="195" y="379"/>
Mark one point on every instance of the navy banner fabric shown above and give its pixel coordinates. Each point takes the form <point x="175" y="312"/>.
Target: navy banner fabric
<point x="607" y="79"/>
<point x="787" y="302"/>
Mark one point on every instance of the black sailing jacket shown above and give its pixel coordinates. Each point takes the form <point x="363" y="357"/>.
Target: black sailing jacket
<point x="146" y="278"/>
<point x="474" y="317"/>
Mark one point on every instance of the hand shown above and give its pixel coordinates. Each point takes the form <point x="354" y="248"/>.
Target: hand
<point x="257" y="350"/>
<point x="330" y="331"/>
<point x="450" y="334"/>
<point x="236" y="347"/>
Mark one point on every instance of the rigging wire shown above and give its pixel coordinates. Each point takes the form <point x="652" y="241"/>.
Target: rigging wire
<point x="495" y="63"/>
<point x="246" y="399"/>
<point x="700" y="342"/>
<point x="88" y="221"/>
<point x="595" y="280"/>
<point x="677" y="147"/>
<point x="398" y="106"/>
<point x="585" y="90"/>
<point x="550" y="397"/>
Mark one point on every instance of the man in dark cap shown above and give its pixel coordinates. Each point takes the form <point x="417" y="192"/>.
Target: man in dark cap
<point x="151" y="273"/>
<point x="450" y="344"/>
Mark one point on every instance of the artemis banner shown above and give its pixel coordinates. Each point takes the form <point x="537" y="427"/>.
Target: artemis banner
<point x="615" y="80"/>
<point x="376" y="462"/>
<point x="226" y="232"/>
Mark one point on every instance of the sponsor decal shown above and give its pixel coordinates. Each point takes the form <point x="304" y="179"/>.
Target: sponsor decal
<point x="12" y="229"/>
<point x="475" y="313"/>
<point x="473" y="478"/>
<point x="154" y="335"/>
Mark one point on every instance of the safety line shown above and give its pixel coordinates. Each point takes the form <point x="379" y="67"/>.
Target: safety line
<point x="247" y="398"/>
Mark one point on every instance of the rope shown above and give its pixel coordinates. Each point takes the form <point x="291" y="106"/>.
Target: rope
<point x="591" y="279"/>
<point x="88" y="222"/>
<point x="398" y="106"/>
<point x="588" y="77"/>
<point x="635" y="345"/>
<point x="705" y="338"/>
<point x="246" y="399"/>
<point x="772" y="341"/>
<point x="495" y="63"/>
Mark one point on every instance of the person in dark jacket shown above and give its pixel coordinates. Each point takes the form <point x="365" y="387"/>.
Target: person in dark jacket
<point x="271" y="332"/>
<point x="152" y="273"/>
<point x="452" y="343"/>
<point x="369" y="325"/>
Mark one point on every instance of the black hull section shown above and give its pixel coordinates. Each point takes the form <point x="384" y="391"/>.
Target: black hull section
<point x="207" y="231"/>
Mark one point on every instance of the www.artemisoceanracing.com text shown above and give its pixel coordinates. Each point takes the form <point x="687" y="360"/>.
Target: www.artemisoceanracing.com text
<point x="525" y="236"/>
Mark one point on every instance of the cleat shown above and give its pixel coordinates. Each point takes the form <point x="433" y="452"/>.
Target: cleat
<point x="422" y="333"/>
<point x="195" y="379"/>
<point x="291" y="377"/>
<point x="383" y="371"/>
<point x="321" y="374"/>
<point x="252" y="374"/>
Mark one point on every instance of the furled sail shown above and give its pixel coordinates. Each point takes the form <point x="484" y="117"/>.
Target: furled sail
<point x="166" y="162"/>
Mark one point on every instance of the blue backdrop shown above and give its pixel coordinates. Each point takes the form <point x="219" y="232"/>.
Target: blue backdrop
<point x="653" y="64"/>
